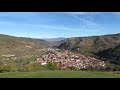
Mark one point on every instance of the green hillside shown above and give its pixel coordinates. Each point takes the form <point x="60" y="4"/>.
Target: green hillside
<point x="13" y="45"/>
<point x="112" y="55"/>
<point x="95" y="44"/>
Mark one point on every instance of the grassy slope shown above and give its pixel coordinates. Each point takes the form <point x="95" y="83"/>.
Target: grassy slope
<point x="90" y="46"/>
<point x="14" y="45"/>
<point x="92" y="43"/>
<point x="112" y="55"/>
<point x="59" y="74"/>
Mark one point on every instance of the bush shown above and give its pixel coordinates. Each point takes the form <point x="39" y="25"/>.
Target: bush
<point x="33" y="67"/>
<point x="73" y="68"/>
<point x="116" y="68"/>
<point x="109" y="68"/>
<point x="52" y="66"/>
<point x="8" y="67"/>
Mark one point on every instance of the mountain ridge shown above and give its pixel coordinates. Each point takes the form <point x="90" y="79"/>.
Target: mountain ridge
<point x="91" y="45"/>
<point x="54" y="39"/>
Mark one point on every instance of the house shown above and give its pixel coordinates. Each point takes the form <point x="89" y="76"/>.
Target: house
<point x="43" y="63"/>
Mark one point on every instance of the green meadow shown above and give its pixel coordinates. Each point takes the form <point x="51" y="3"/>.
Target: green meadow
<point x="60" y="74"/>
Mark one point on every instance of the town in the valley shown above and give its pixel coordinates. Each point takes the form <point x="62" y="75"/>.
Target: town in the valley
<point x="67" y="59"/>
<point x="63" y="58"/>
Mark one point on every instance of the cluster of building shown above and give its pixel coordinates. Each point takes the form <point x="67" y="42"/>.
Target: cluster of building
<point x="67" y="59"/>
<point x="63" y="58"/>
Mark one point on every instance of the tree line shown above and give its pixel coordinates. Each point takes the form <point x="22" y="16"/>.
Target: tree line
<point x="14" y="66"/>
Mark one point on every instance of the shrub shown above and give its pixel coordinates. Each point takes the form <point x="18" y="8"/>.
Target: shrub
<point x="8" y="67"/>
<point x="33" y="67"/>
<point x="52" y="66"/>
<point x="116" y="68"/>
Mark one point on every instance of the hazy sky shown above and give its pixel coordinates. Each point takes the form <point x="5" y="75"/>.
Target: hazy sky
<point x="59" y="24"/>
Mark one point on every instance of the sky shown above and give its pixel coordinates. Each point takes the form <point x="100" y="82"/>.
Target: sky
<point x="59" y="24"/>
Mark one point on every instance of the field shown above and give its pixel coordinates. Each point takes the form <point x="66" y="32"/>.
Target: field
<point x="60" y="74"/>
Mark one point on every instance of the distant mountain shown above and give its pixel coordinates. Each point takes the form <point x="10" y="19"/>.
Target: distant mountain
<point x="91" y="45"/>
<point x="33" y="39"/>
<point x="54" y="39"/>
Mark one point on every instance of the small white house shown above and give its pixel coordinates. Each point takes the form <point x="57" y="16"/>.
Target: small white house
<point x="43" y="63"/>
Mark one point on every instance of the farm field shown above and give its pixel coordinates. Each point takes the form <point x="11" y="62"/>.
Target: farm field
<point x="60" y="74"/>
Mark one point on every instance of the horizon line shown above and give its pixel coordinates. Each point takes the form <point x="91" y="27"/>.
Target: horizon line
<point x="57" y="37"/>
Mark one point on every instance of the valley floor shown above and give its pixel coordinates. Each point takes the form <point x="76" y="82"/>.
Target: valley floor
<point x="60" y="74"/>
